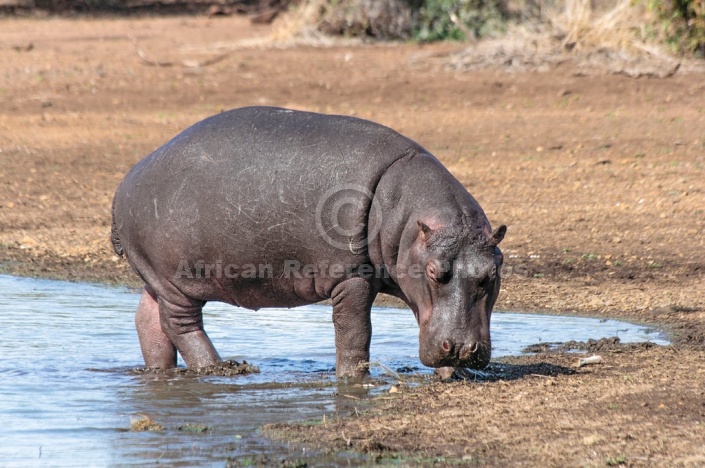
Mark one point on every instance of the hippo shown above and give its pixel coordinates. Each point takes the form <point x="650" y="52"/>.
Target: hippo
<point x="269" y="207"/>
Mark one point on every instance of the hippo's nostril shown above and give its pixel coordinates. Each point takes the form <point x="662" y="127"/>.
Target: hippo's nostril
<point x="469" y="350"/>
<point x="447" y="346"/>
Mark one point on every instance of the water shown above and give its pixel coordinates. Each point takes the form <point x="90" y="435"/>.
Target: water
<point x="68" y="392"/>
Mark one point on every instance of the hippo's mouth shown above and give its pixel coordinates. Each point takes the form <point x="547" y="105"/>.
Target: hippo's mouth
<point x="476" y="360"/>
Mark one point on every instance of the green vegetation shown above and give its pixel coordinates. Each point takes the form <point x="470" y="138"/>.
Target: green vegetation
<point x="459" y="19"/>
<point x="196" y="428"/>
<point x="422" y="20"/>
<point x="681" y="23"/>
<point x="621" y="460"/>
<point x="262" y="460"/>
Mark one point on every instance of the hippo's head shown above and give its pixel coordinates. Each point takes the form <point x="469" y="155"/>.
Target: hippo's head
<point x="452" y="283"/>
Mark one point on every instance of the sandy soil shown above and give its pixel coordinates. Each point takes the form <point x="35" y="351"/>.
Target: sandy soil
<point x="600" y="178"/>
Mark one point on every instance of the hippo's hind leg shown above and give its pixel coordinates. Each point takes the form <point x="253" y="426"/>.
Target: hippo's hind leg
<point x="352" y="304"/>
<point x="183" y="325"/>
<point x="157" y="348"/>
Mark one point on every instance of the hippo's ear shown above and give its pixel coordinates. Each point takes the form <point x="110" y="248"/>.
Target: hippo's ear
<point x="424" y="231"/>
<point x="498" y="235"/>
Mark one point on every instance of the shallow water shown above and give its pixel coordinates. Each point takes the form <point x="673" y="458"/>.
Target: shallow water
<point x="68" y="392"/>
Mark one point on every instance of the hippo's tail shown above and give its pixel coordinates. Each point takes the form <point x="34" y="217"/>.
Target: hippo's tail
<point x="114" y="238"/>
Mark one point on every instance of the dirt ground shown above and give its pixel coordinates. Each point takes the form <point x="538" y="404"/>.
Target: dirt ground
<point x="599" y="177"/>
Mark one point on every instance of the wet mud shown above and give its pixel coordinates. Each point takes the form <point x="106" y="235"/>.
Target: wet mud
<point x="226" y="368"/>
<point x="613" y="343"/>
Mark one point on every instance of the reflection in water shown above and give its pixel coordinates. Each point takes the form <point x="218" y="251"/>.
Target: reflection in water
<point x="67" y="392"/>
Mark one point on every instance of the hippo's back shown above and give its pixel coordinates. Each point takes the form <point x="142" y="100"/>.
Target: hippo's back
<point x="251" y="186"/>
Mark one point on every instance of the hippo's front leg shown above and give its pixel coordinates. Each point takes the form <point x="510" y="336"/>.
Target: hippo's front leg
<point x="352" y="304"/>
<point x="183" y="324"/>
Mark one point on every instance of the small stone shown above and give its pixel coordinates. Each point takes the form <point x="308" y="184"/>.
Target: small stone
<point x="27" y="243"/>
<point x="393" y="389"/>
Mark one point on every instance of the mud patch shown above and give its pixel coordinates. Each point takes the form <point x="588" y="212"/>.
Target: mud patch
<point x="222" y="369"/>
<point x="266" y="460"/>
<point x="506" y="371"/>
<point x="195" y="428"/>
<point x="603" y="344"/>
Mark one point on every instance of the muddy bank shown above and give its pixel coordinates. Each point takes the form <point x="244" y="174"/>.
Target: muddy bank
<point x="637" y="408"/>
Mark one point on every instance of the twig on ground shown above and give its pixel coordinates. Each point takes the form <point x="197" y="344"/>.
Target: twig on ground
<point x="185" y="63"/>
<point x="347" y="441"/>
<point x="589" y="360"/>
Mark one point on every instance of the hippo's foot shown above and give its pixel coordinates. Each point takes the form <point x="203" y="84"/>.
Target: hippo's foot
<point x="352" y="368"/>
<point x="352" y="303"/>
<point x="183" y="324"/>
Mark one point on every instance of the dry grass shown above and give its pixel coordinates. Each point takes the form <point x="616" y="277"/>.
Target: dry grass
<point x="581" y="28"/>
<point x="317" y="22"/>
<point x="142" y="423"/>
<point x="301" y="21"/>
<point x="300" y="26"/>
<point x="612" y="39"/>
<point x="623" y="29"/>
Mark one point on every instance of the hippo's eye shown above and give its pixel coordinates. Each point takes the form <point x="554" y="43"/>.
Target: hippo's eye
<point x="444" y="277"/>
<point x="489" y="279"/>
<point x="440" y="275"/>
<point x="484" y="282"/>
<point x="493" y="273"/>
